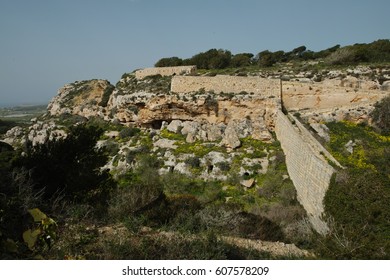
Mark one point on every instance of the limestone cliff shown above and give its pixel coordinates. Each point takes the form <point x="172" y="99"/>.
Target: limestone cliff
<point x="149" y="102"/>
<point x="222" y="100"/>
<point x="85" y="98"/>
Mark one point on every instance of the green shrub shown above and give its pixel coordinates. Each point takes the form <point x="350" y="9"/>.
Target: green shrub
<point x="70" y="166"/>
<point x="223" y="166"/>
<point x="6" y="125"/>
<point x="381" y="115"/>
<point x="111" y="147"/>
<point x="106" y="95"/>
<point x="132" y="200"/>
<point x="182" y="215"/>
<point x="193" y="162"/>
<point x="175" y="183"/>
<point x="164" y="133"/>
<point x="129" y="132"/>
<point x="356" y="201"/>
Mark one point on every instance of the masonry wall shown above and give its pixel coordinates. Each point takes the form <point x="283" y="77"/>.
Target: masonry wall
<point x="307" y="168"/>
<point x="227" y="84"/>
<point x="165" y="71"/>
<point x="318" y="96"/>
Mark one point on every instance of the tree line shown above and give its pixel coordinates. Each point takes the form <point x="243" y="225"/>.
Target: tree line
<point x="377" y="51"/>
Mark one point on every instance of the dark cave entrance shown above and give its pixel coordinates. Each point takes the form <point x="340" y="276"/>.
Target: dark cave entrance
<point x="156" y="124"/>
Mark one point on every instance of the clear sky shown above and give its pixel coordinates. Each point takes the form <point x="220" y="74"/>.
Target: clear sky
<point x="45" y="44"/>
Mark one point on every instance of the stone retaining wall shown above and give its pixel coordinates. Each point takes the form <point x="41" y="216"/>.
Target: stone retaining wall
<point x="308" y="168"/>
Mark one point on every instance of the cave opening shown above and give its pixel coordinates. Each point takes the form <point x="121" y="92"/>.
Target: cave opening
<point x="156" y="124"/>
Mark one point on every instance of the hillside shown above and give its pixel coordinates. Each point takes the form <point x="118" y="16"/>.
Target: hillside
<point x="174" y="167"/>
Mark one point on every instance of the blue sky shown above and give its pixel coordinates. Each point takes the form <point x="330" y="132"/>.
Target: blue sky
<point x="47" y="43"/>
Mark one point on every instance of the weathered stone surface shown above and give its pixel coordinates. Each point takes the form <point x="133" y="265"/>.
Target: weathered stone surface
<point x="322" y="130"/>
<point x="230" y="138"/>
<point x="112" y="134"/>
<point x="191" y="138"/>
<point x="248" y="163"/>
<point x="242" y="127"/>
<point x="175" y="126"/>
<point x="182" y="168"/>
<point x="215" y="157"/>
<point x="165" y="144"/>
<point x="349" y="146"/>
<point x="214" y="132"/>
<point x="331" y="94"/>
<point x="14" y="135"/>
<point x="224" y="83"/>
<point x="385" y="86"/>
<point x="80" y="98"/>
<point x="190" y="127"/>
<point x="248" y="183"/>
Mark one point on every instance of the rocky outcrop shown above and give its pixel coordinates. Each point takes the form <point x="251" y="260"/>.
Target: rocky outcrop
<point x="319" y="96"/>
<point x="37" y="133"/>
<point x="85" y="98"/>
<point x="230" y="138"/>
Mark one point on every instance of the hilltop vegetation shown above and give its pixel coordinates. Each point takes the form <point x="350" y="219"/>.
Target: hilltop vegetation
<point x="375" y="52"/>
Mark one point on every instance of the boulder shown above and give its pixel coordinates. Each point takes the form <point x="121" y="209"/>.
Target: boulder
<point x="182" y="168"/>
<point x="215" y="157"/>
<point x="175" y="126"/>
<point x="190" y="127"/>
<point x="230" y="138"/>
<point x="242" y="127"/>
<point x="191" y="138"/>
<point x="248" y="183"/>
<point x="214" y="132"/>
<point x="165" y="144"/>
<point x="349" y="146"/>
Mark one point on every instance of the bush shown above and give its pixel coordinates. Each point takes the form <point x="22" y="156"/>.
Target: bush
<point x="129" y="132"/>
<point x="358" y="206"/>
<point x="381" y="115"/>
<point x="223" y="166"/>
<point x="356" y="203"/>
<point x="70" y="166"/>
<point x="106" y="95"/>
<point x="169" y="61"/>
<point x="181" y="214"/>
<point x="6" y="125"/>
<point x="193" y="162"/>
<point x="133" y="200"/>
<point x="175" y="183"/>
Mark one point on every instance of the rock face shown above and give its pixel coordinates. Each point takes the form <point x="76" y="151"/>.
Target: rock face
<point x="85" y="98"/>
<point x="226" y="117"/>
<point x="230" y="138"/>
<point x="147" y="108"/>
<point x="38" y="133"/>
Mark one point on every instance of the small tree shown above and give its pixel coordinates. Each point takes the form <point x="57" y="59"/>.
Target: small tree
<point x="70" y="166"/>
